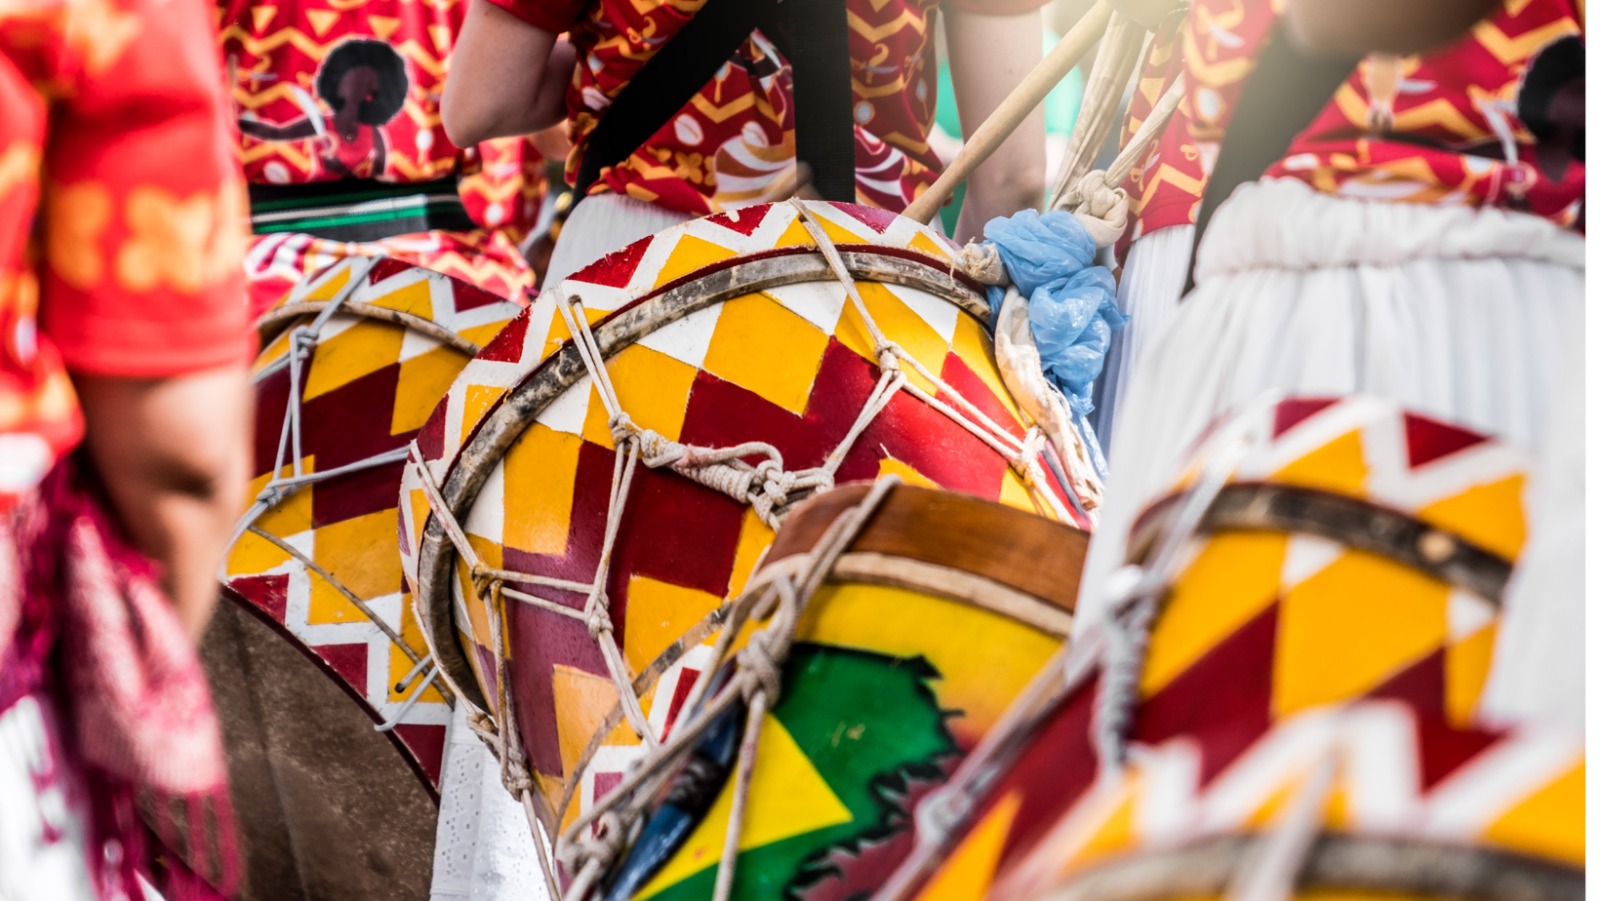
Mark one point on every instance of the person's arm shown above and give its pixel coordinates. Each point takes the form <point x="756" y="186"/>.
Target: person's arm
<point x="142" y="290"/>
<point x="508" y="76"/>
<point x="1147" y="13"/>
<point x="989" y="57"/>
<point x="1399" y="27"/>
<point x="173" y="454"/>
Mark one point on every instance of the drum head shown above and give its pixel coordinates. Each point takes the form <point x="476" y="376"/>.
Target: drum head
<point x="326" y="809"/>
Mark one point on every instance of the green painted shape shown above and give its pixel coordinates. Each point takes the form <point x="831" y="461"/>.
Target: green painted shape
<point x="863" y="720"/>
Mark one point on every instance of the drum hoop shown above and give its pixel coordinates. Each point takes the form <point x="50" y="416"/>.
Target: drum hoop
<point x="554" y="375"/>
<point x="1361" y="524"/>
<point x="892" y="570"/>
<point x="1336" y="862"/>
<point x="274" y="322"/>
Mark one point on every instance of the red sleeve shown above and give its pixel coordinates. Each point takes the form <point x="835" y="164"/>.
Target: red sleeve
<point x="996" y="7"/>
<point x="144" y="210"/>
<point x="554" y="16"/>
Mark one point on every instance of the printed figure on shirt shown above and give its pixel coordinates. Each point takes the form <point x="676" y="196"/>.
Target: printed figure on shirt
<point x="364" y="82"/>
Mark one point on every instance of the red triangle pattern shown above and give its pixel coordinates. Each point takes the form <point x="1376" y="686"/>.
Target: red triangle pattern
<point x="348" y="660"/>
<point x="744" y="222"/>
<point x="615" y="270"/>
<point x="506" y="345"/>
<point x="1428" y="440"/>
<point x="1443" y="749"/>
<point x="426" y="744"/>
<point x="872" y="217"/>
<point x="1291" y="413"/>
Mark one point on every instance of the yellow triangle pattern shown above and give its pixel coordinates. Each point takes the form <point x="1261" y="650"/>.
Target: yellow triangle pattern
<point x="788" y="797"/>
<point x="969" y="872"/>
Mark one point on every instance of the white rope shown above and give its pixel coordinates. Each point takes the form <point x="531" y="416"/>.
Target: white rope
<point x="1114" y="65"/>
<point x="1098" y="199"/>
<point x="778" y="599"/>
<point x="766" y="486"/>
<point x="302" y="343"/>
<point x="1136" y="594"/>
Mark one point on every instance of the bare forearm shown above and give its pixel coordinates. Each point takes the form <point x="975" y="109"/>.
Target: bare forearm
<point x="506" y="78"/>
<point x="1381" y="26"/>
<point x="1013" y="177"/>
<point x="173" y="456"/>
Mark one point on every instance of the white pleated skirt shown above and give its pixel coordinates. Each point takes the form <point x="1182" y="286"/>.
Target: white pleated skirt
<point x="1147" y="293"/>
<point x="600" y="225"/>
<point x="1537" y="673"/>
<point x="1455" y="312"/>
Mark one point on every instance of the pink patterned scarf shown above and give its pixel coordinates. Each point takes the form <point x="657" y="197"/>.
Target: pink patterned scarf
<point x="84" y="613"/>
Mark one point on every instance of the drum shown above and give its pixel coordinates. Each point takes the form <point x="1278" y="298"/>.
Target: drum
<point x="928" y="613"/>
<point x="611" y="468"/>
<point x="1378" y="799"/>
<point x="353" y="361"/>
<point x="1316" y="552"/>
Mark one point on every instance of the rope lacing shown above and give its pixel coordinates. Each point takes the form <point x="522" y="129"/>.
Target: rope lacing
<point x="1136" y="593"/>
<point x="302" y="343"/>
<point x="778" y="597"/>
<point x="752" y="473"/>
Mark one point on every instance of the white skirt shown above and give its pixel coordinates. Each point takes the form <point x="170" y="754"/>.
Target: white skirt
<point x="483" y="846"/>
<point x="1452" y="311"/>
<point x="1537" y="674"/>
<point x="44" y="809"/>
<point x="601" y="224"/>
<point x="1147" y="292"/>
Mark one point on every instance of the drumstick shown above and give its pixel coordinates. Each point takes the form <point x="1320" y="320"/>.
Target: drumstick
<point x="1011" y="111"/>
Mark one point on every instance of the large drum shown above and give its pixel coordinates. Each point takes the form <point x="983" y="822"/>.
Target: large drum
<point x="611" y="468"/>
<point x="916" y="617"/>
<point x="1315" y="553"/>
<point x="1374" y="800"/>
<point x="353" y="361"/>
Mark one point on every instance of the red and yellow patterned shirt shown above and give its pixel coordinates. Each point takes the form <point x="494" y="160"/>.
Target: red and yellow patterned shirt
<point x="113" y="260"/>
<point x="294" y="63"/>
<point x="733" y="144"/>
<point x="1488" y="120"/>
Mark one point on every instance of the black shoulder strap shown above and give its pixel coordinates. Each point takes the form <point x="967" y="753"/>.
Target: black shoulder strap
<point x="1280" y="99"/>
<point x="813" y="36"/>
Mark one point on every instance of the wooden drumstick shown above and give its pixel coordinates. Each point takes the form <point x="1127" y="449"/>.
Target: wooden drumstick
<point x="1011" y="111"/>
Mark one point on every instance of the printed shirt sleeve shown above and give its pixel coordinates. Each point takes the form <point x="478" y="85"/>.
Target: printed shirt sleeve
<point x="144" y="210"/>
<point x="555" y="16"/>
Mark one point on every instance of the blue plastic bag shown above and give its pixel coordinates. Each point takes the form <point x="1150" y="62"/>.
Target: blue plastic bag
<point x="1072" y="303"/>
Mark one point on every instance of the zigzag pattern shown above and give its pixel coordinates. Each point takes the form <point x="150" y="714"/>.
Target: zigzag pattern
<point x="789" y="366"/>
<point x="367" y="387"/>
<point x="1399" y="775"/>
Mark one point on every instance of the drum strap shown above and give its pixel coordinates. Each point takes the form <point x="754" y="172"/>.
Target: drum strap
<point x="1280" y="99"/>
<point x="813" y="36"/>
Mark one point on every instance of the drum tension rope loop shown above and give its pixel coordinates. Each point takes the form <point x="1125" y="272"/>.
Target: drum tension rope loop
<point x="599" y="836"/>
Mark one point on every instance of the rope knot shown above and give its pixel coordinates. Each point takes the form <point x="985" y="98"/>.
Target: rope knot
<point x="981" y="262"/>
<point x="485" y="582"/>
<point x="598" y="618"/>
<point x="759" y="661"/>
<point x="888" y="360"/>
<point x="1101" y="206"/>
<point x="622" y="427"/>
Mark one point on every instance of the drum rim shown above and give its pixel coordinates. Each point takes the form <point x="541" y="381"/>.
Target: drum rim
<point x="289" y="313"/>
<point x="804" y="533"/>
<point x="1394" y="534"/>
<point x="1336" y="861"/>
<point x="556" y="373"/>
